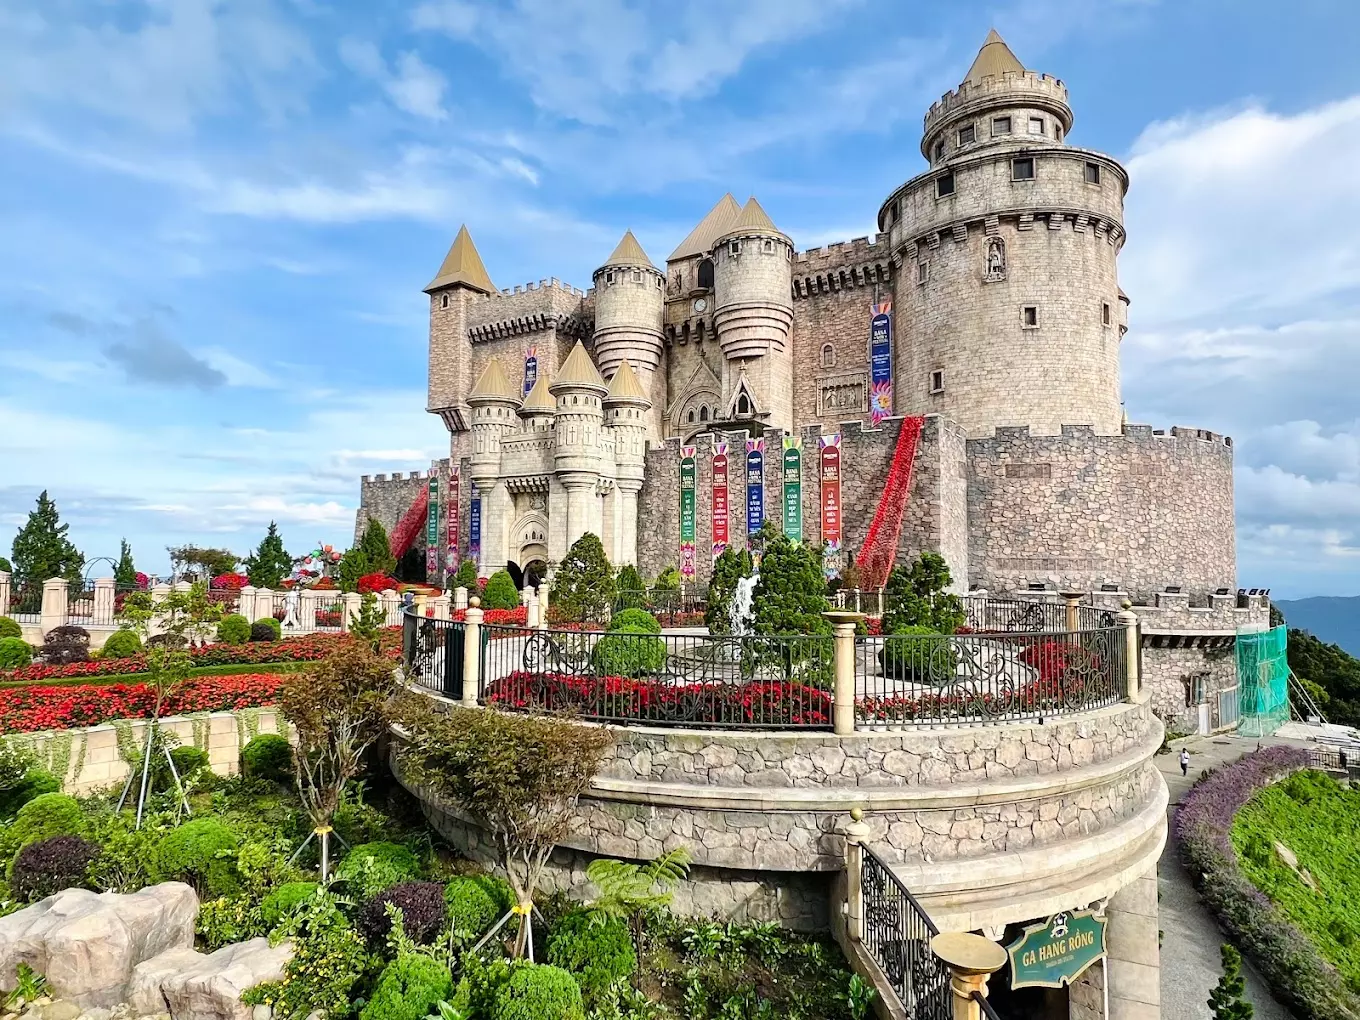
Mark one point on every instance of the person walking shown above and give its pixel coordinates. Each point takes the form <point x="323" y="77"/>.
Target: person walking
<point x="1185" y="762"/>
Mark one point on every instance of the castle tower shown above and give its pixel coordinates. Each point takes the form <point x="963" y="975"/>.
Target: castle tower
<point x="1007" y="303"/>
<point x="753" y="313"/>
<point x="492" y="404"/>
<point x="630" y="301"/>
<point x="625" y="415"/>
<point x="580" y="448"/>
<point x="460" y="280"/>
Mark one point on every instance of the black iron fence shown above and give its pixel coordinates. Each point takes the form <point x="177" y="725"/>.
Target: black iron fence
<point x="1333" y="759"/>
<point x="681" y="608"/>
<point x="986" y="614"/>
<point x="897" y="934"/>
<point x="25" y="599"/>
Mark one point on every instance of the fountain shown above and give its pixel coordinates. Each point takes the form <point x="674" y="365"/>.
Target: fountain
<point x="740" y="612"/>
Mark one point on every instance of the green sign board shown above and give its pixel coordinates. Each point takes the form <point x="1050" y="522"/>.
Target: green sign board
<point x="1055" y="953"/>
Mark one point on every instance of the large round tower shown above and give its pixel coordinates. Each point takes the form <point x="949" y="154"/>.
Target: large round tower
<point x="630" y="300"/>
<point x="752" y="315"/>
<point x="579" y="440"/>
<point x="1007" y="297"/>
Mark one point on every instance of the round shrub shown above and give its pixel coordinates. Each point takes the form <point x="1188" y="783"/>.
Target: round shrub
<point x="918" y="655"/>
<point x="410" y="988"/>
<point x="630" y="650"/>
<point x="10" y="628"/>
<point x="539" y="992"/>
<point x="268" y="756"/>
<point x="191" y="853"/>
<point x="422" y="913"/>
<point x="500" y="592"/>
<point x="233" y="630"/>
<point x="266" y="629"/>
<point x="121" y="644"/>
<point x="476" y="902"/>
<point x="50" y="865"/>
<point x="635" y="618"/>
<point x="14" y="653"/>
<point x="372" y="867"/>
<point x="45" y="816"/>
<point x="284" y="900"/>
<point x="599" y="952"/>
<point x="66" y="644"/>
<point x="34" y="783"/>
<point x="167" y="641"/>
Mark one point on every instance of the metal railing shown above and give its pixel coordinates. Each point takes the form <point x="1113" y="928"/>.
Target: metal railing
<point x="926" y="679"/>
<point x="897" y="934"/>
<point x="986" y="614"/>
<point x="985" y="1007"/>
<point x="671" y="608"/>
<point x="25" y="600"/>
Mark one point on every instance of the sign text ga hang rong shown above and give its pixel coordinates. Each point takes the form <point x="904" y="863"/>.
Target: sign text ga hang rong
<point x="1058" y="951"/>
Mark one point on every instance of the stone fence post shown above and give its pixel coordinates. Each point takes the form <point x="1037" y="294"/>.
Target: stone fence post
<point x="440" y="603"/>
<point x="543" y="603"/>
<point x="102" y="611"/>
<point x="245" y="603"/>
<point x="353" y="603"/>
<point x="472" y="653"/>
<point x="1070" y="600"/>
<point x="843" y="643"/>
<point x="4" y="592"/>
<point x="531" y="608"/>
<point x="460" y="599"/>
<point x="971" y="960"/>
<point x="159" y="592"/>
<point x="54" y="604"/>
<point x="855" y="831"/>
<point x="1128" y="619"/>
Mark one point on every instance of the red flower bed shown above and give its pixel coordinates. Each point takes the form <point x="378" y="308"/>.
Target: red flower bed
<point x="518" y="617"/>
<point x="230" y="582"/>
<point x="325" y="584"/>
<point x="26" y="709"/>
<point x="377" y="583"/>
<point x="616" y="697"/>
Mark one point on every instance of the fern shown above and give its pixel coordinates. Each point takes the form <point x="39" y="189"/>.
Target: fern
<point x="628" y="891"/>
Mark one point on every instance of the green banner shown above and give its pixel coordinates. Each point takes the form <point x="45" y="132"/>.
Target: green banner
<point x="688" y="477"/>
<point x="1055" y="953"/>
<point x="793" y="489"/>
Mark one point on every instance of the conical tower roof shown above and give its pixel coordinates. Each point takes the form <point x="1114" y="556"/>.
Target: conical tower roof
<point x="625" y="386"/>
<point x="753" y="219"/>
<point x="628" y="253"/>
<point x="492" y="384"/>
<point x="993" y="60"/>
<point x="710" y="228"/>
<point x="578" y="370"/>
<point x="539" y="400"/>
<point x="463" y="265"/>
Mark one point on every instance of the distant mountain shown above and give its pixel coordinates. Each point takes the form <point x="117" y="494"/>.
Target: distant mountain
<point x="1333" y="619"/>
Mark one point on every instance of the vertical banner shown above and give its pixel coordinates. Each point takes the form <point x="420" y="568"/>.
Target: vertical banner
<point x="719" y="498"/>
<point x="451" y="523"/>
<point x="755" y="487"/>
<point x="530" y="368"/>
<point x="830" y="450"/>
<point x="880" y="362"/>
<point x="688" y="477"/>
<point x="793" y="489"/>
<point x="475" y="527"/>
<point x="432" y="530"/>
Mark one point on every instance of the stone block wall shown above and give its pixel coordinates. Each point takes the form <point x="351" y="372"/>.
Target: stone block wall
<point x="1169" y="669"/>
<point x="387" y="497"/>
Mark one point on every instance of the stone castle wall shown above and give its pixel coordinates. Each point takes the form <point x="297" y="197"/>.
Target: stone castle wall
<point x="386" y="498"/>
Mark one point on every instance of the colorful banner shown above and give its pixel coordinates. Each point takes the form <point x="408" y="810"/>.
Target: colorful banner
<point x="720" y="510"/>
<point x="793" y="489"/>
<point x="475" y="527"/>
<point x="830" y="450"/>
<point x="688" y="477"/>
<point x="755" y="487"/>
<point x="451" y="523"/>
<point x="432" y="529"/>
<point x="880" y="362"/>
<point x="530" y="369"/>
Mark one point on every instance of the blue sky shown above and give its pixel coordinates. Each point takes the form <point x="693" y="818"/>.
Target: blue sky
<point x="216" y="218"/>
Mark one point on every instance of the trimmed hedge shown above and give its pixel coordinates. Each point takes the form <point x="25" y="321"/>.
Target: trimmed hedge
<point x="266" y="629"/>
<point x="10" y="628"/>
<point x="14" y="653"/>
<point x="279" y="904"/>
<point x="635" y="617"/>
<point x="632" y="650"/>
<point x="35" y="783"/>
<point x="539" y="992"/>
<point x="410" y="988"/>
<point x="422" y="909"/>
<point x="597" y="951"/>
<point x="121" y="644"/>
<point x="45" y="816"/>
<point x="233" y="629"/>
<point x="190" y="853"/>
<point x="500" y="592"/>
<point x="476" y="902"/>
<point x="50" y="865"/>
<point x="370" y="868"/>
<point x="268" y="756"/>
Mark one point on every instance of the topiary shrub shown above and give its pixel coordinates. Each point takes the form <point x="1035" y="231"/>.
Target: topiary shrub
<point x="190" y="853"/>
<point x="475" y="902"/>
<point x="598" y="952"/>
<point x="422" y="910"/>
<point x="583" y="588"/>
<point x="632" y="590"/>
<point x="538" y="992"/>
<point x="372" y="867"/>
<point x="167" y="641"/>
<point x="500" y="592"/>
<point x="631" y="650"/>
<point x="14" y="653"/>
<point x="45" y="816"/>
<point x="410" y="988"/>
<point x="66" y="644"/>
<point x="46" y="867"/>
<point x="233" y="630"/>
<point x="919" y="655"/>
<point x="266" y="629"/>
<point x="639" y="618"/>
<point x="268" y="756"/>
<point x="10" y="628"/>
<point x="121" y="644"/>
<point x="284" y="900"/>
<point x="32" y="784"/>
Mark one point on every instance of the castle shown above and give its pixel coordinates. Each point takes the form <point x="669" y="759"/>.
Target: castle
<point x="664" y="408"/>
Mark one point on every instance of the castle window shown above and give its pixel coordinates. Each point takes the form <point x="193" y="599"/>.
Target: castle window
<point x="743" y="404"/>
<point x="937" y="381"/>
<point x="922" y="271"/>
<point x="967" y="134"/>
<point x="1022" y="169"/>
<point x="658" y="282"/>
<point x="608" y="277"/>
<point x="767" y="247"/>
<point x="706" y="274"/>
<point x="1036" y="125"/>
<point x="1092" y="173"/>
<point x="828" y="356"/>
<point x="1001" y="126"/>
<point x="1029" y="316"/>
<point x="939" y="150"/>
<point x="444" y="301"/>
<point x="1105" y="313"/>
<point x="637" y="276"/>
<point x="734" y="247"/>
<point x="944" y="185"/>
<point x="703" y="413"/>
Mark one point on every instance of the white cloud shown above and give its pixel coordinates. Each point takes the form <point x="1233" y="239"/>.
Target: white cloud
<point x="412" y="86"/>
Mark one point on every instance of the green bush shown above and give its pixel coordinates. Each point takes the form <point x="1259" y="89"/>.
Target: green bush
<point x="121" y="644"/>
<point x="476" y="902"/>
<point x="10" y="628"/>
<point x="466" y="577"/>
<point x="919" y="655"/>
<point x="33" y="784"/>
<point x="201" y="853"/>
<point x="539" y="992"/>
<point x="284" y="900"/>
<point x="632" y="590"/>
<point x="630" y="650"/>
<point x="598" y="951"/>
<point x="370" y="868"/>
<point x="409" y="989"/>
<point x="500" y="592"/>
<point x="583" y="588"/>
<point x="268" y="756"/>
<point x="790" y="595"/>
<point x="635" y="618"/>
<point x="45" y="816"/>
<point x="233" y="630"/>
<point x="14" y="653"/>
<point x="917" y="596"/>
<point x="188" y="760"/>
<point x="266" y="628"/>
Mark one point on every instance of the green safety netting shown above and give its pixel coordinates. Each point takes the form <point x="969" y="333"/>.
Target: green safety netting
<point x="1263" y="682"/>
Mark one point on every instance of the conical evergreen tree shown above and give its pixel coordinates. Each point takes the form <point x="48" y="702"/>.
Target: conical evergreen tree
<point x="790" y="596"/>
<point x="268" y="565"/>
<point x="583" y="588"/>
<point x="41" y="549"/>
<point x="125" y="573"/>
<point x="1226" y="997"/>
<point x="377" y="552"/>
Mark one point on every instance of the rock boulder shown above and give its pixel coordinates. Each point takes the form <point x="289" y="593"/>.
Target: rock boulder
<point x="197" y="986"/>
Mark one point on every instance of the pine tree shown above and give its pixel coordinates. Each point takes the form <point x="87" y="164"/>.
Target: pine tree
<point x="790" y="596"/>
<point x="918" y="596"/>
<point x="41" y="549"/>
<point x="466" y="577"/>
<point x="1226" y="998"/>
<point x="583" y="588"/>
<point x="632" y="591"/>
<point x="125" y="573"/>
<point x="268" y="565"/>
<point x="376" y="549"/>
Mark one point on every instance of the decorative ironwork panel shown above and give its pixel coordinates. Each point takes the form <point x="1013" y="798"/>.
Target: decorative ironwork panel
<point x="897" y="934"/>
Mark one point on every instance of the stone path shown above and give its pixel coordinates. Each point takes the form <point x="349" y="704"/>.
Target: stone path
<point x="1191" y="936"/>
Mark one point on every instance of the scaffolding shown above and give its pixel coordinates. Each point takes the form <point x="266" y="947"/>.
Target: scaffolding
<point x="1263" y="681"/>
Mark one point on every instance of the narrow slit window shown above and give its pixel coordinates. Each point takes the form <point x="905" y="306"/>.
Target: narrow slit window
<point x="937" y="381"/>
<point x="922" y="272"/>
<point x="1029" y="316"/>
<point x="1105" y="313"/>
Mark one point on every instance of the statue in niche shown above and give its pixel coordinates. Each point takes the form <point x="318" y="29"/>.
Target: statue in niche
<point x="996" y="259"/>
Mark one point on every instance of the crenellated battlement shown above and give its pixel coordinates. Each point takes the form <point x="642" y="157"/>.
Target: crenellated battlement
<point x="1021" y="89"/>
<point x="842" y="266"/>
<point x="526" y="305"/>
<point x="837" y="253"/>
<point x="1141" y="433"/>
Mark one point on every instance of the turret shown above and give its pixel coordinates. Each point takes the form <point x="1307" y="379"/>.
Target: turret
<point x="629" y="304"/>
<point x="493" y="402"/>
<point x="539" y="407"/>
<point x="461" y="279"/>
<point x="625" y="409"/>
<point x="579" y="433"/>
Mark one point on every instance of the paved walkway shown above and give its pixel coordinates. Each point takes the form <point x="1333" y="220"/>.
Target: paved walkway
<point x="1190" y="933"/>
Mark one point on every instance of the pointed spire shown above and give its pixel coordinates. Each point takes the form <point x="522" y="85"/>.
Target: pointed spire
<point x="993" y="60"/>
<point x="462" y="265"/>
<point x="578" y="370"/>
<point x="710" y="228"/>
<point x="624" y="387"/>
<point x="492" y="384"/>
<point x="753" y="217"/>
<point x="629" y="253"/>
<point x="539" y="400"/>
